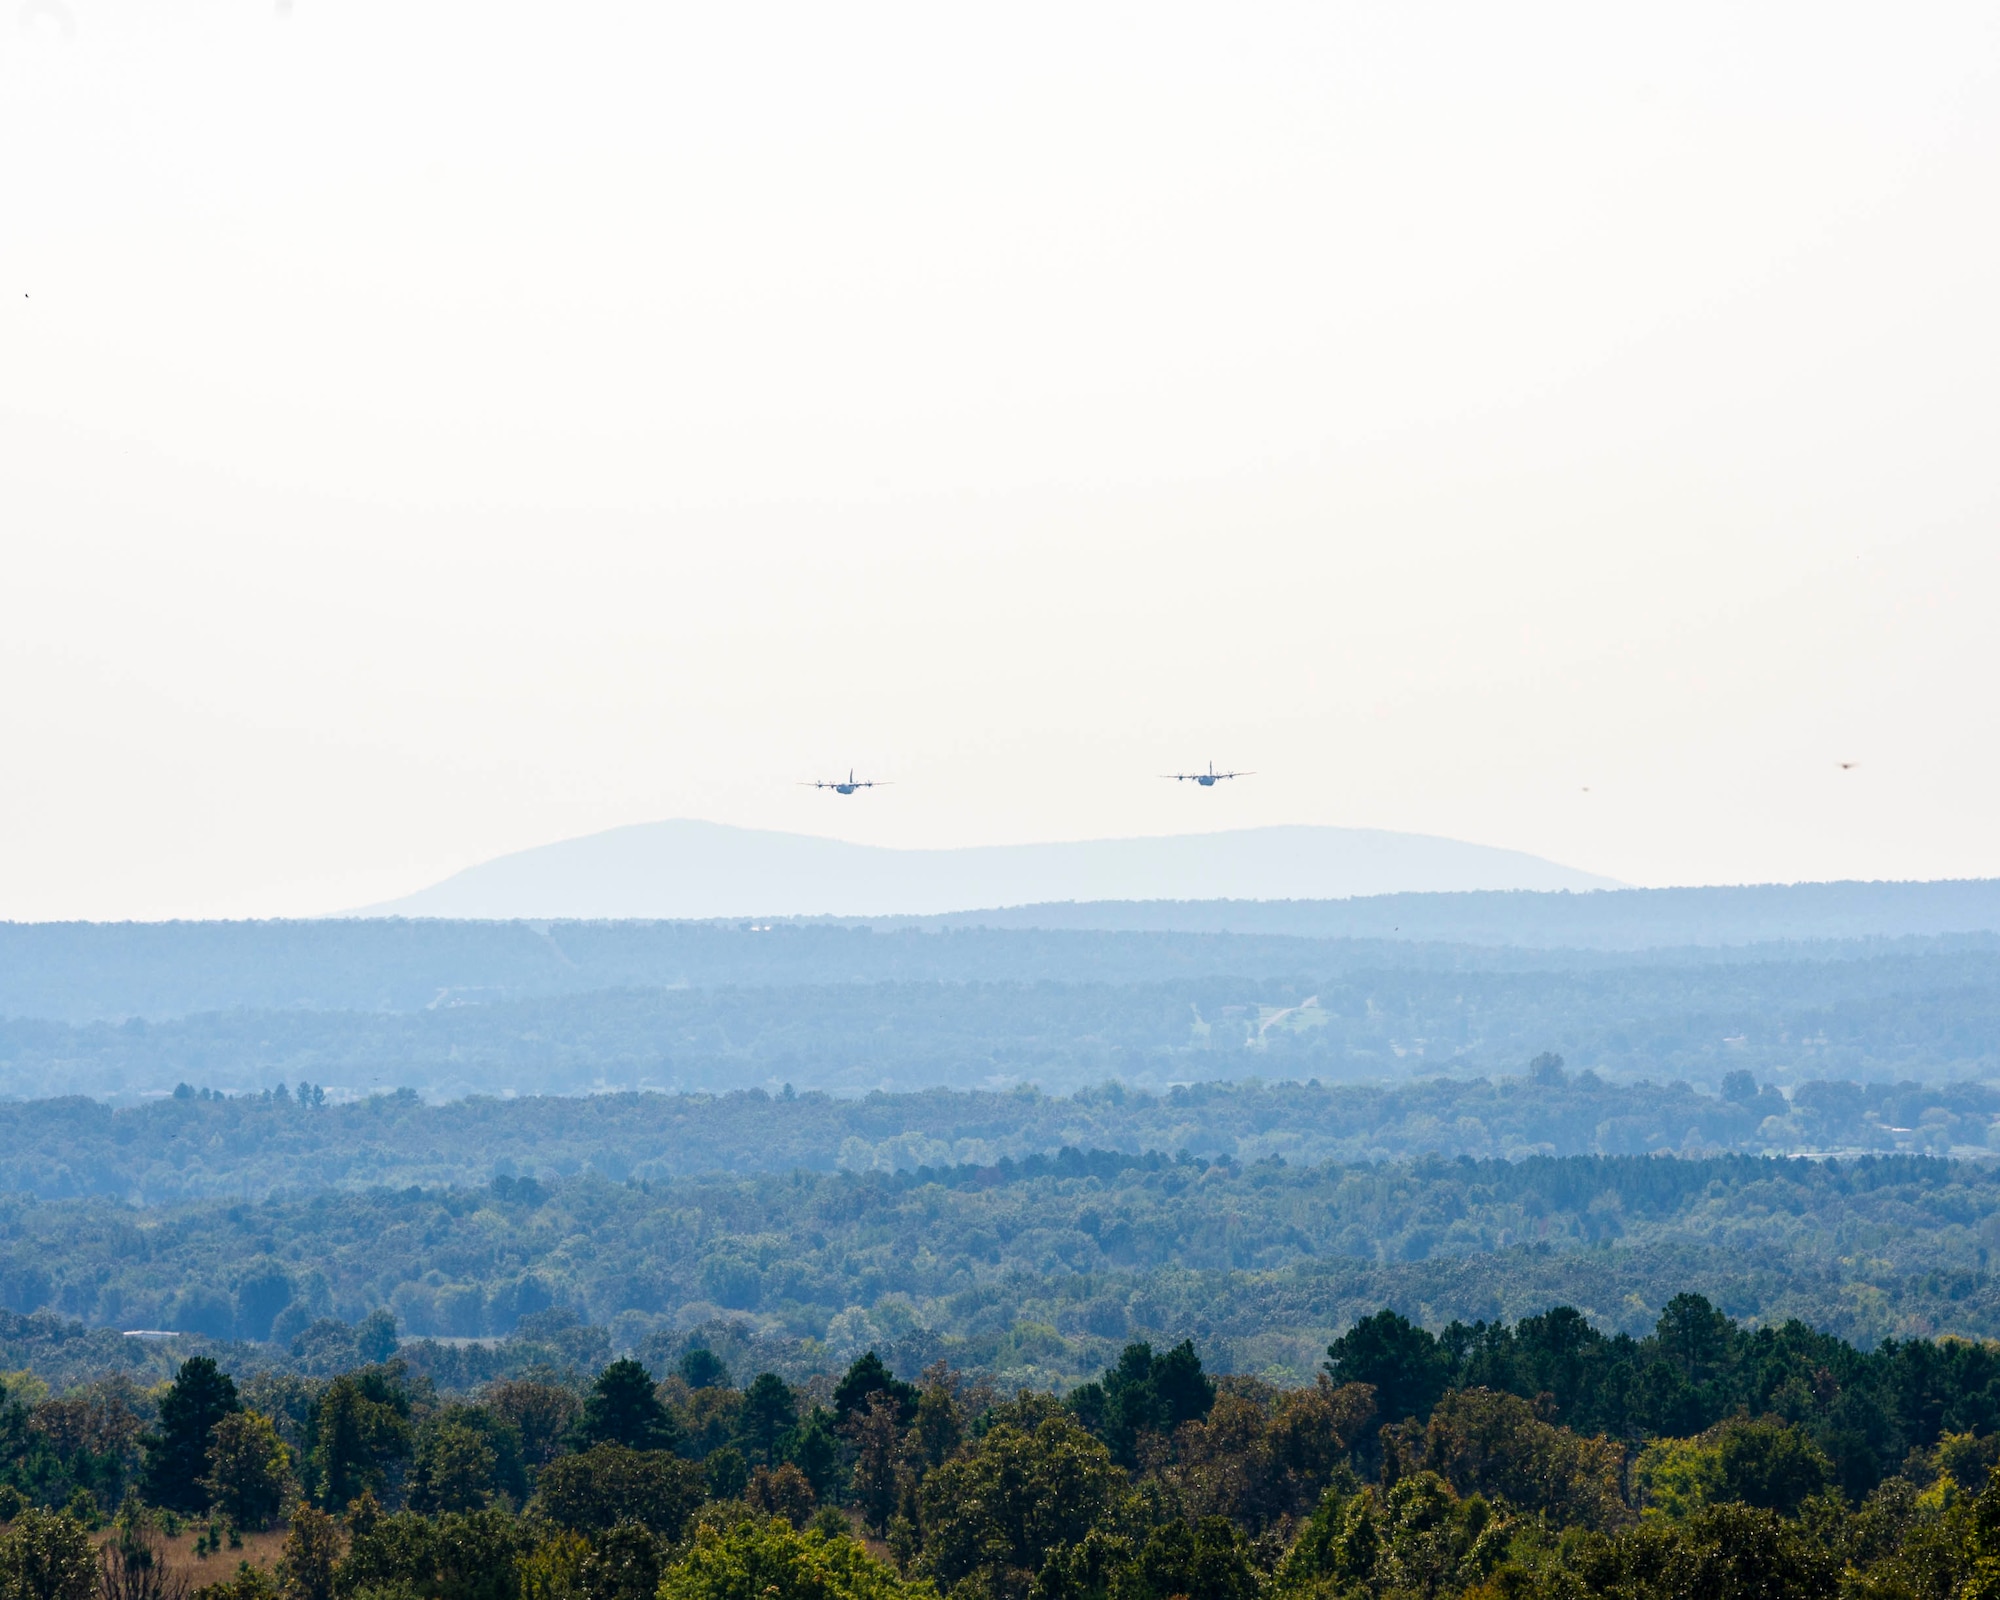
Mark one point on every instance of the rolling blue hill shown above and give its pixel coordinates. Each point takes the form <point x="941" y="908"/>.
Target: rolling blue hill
<point x="687" y="868"/>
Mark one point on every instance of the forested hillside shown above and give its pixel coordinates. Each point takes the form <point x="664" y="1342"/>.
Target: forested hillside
<point x="83" y="971"/>
<point x="1791" y="1017"/>
<point x="1605" y="919"/>
<point x="1029" y="1271"/>
<point x="80" y="972"/>
<point x="982" y="1341"/>
<point x="200" y="1143"/>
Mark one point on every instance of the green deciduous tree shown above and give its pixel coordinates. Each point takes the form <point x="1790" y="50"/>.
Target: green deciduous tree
<point x="726" y="1472"/>
<point x="1729" y="1552"/>
<point x="458" y="1556"/>
<point x="250" y="1469"/>
<point x="1340" y="1543"/>
<point x="375" y="1335"/>
<point x="1432" y="1542"/>
<point x="782" y="1492"/>
<point x="1770" y="1464"/>
<point x="771" y="1561"/>
<point x="1085" y="1570"/>
<point x="245" y="1583"/>
<point x="995" y="1513"/>
<point x="455" y="1468"/>
<point x="47" y="1556"/>
<point x="1493" y="1444"/>
<point x="306" y="1565"/>
<point x="624" y="1562"/>
<point x="553" y="1570"/>
<point x="1755" y="1461"/>
<point x="1208" y="1559"/>
<point x="608" y="1484"/>
<point x="542" y="1414"/>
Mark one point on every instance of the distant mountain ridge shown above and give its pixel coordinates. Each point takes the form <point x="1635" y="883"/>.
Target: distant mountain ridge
<point x="81" y="972"/>
<point x="692" y="869"/>
<point x="1709" y="916"/>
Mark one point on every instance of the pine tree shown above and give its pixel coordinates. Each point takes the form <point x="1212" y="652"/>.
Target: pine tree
<point x="180" y="1451"/>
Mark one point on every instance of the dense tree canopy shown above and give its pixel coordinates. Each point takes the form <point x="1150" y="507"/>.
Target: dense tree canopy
<point x="1493" y="1459"/>
<point x="1036" y="1272"/>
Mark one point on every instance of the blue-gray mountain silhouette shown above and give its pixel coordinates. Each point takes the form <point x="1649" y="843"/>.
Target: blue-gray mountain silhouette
<point x="706" y="869"/>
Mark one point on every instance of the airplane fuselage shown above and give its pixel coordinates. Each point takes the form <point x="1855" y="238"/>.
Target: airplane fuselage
<point x="845" y="788"/>
<point x="1205" y="781"/>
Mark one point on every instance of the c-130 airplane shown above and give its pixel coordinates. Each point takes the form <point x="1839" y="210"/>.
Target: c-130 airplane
<point x="1208" y="779"/>
<point x="847" y="787"/>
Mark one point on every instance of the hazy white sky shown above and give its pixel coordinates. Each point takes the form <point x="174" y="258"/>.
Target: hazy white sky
<point x="427" y="431"/>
